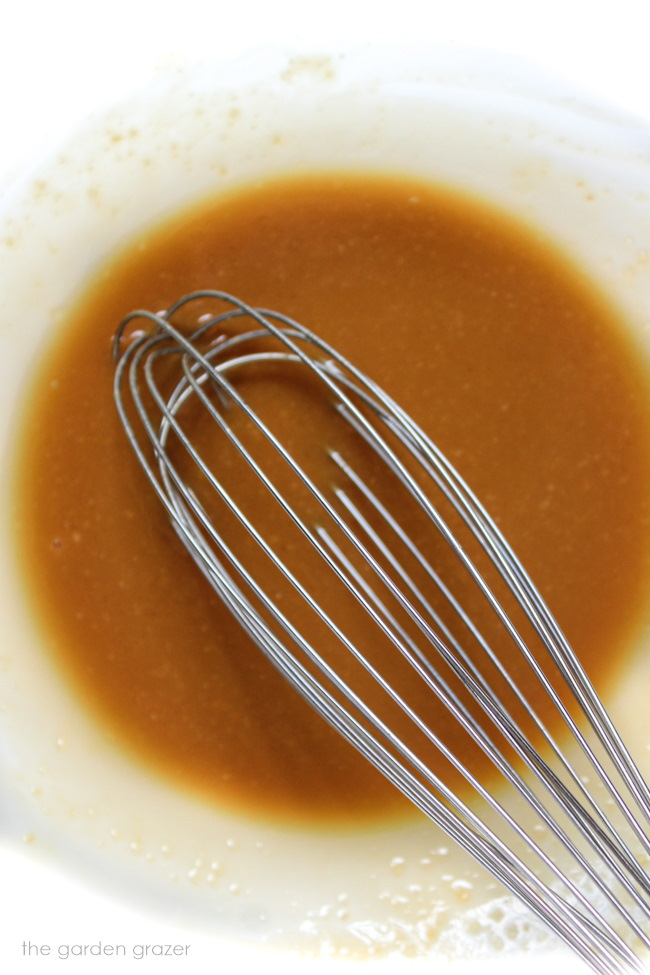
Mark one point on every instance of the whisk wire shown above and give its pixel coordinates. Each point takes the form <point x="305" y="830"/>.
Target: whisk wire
<point x="216" y="349"/>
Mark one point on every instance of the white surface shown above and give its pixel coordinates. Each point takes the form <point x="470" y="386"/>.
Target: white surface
<point x="62" y="60"/>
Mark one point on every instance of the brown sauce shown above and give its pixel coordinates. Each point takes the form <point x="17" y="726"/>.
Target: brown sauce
<point x="512" y="363"/>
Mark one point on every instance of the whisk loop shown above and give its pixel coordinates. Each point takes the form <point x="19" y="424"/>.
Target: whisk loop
<point x="373" y="569"/>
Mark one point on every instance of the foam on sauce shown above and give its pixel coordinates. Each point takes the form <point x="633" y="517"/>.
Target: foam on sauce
<point x="516" y="367"/>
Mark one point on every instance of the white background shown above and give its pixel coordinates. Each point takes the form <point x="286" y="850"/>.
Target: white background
<point x="59" y="59"/>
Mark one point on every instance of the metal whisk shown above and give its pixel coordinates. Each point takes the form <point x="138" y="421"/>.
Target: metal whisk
<point x="373" y="569"/>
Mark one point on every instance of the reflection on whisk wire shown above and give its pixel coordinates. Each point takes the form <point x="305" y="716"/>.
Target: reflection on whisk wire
<point x="567" y="830"/>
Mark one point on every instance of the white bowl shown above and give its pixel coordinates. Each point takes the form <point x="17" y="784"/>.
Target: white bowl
<point x="576" y="171"/>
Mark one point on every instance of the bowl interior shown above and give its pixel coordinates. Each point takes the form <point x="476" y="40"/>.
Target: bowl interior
<point x="574" y="171"/>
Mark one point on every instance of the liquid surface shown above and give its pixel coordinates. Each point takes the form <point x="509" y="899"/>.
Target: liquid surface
<point x="507" y="358"/>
